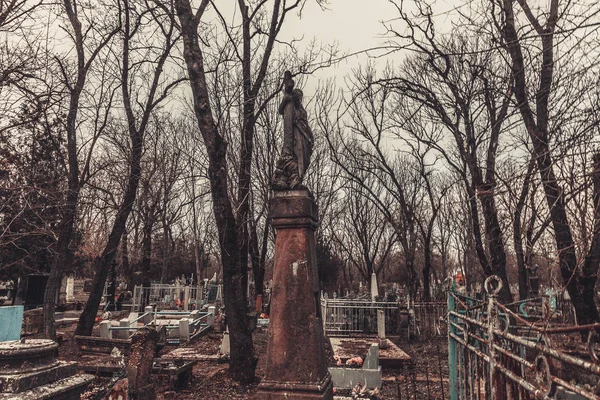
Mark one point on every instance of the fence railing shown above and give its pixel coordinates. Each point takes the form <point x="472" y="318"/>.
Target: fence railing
<point x="495" y="352"/>
<point x="347" y="317"/>
<point x="164" y="297"/>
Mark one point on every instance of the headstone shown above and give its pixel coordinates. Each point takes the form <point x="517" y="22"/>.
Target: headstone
<point x="374" y="290"/>
<point x="105" y="331"/>
<point x="219" y="297"/>
<point x="123" y="333"/>
<point x="184" y="330"/>
<point x="70" y="289"/>
<point x="148" y="316"/>
<point x="372" y="358"/>
<point x="62" y="292"/>
<point x="381" y="324"/>
<point x="225" y="348"/>
<point x="35" y="290"/>
<point x="210" y="320"/>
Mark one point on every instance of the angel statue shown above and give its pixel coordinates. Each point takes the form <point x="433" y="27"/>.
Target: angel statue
<point x="298" y="139"/>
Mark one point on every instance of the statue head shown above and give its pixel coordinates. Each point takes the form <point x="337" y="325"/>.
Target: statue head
<point x="288" y="82"/>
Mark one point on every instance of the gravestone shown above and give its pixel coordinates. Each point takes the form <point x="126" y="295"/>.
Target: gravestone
<point x="381" y="324"/>
<point x="70" y="289"/>
<point x="374" y="289"/>
<point x="296" y="366"/>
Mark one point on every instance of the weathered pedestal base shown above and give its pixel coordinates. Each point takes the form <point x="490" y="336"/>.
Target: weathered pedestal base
<point x="29" y="371"/>
<point x="296" y="363"/>
<point x="296" y="391"/>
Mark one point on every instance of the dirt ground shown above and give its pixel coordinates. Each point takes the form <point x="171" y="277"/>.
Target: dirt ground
<point x="423" y="379"/>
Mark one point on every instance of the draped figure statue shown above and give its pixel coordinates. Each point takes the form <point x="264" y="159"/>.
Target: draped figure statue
<point x="298" y="139"/>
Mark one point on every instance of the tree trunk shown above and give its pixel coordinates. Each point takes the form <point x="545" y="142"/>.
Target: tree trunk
<point x="588" y="312"/>
<point x="258" y="262"/>
<point x="242" y="362"/>
<point x="495" y="242"/>
<point x="146" y="261"/>
<point x="165" y="258"/>
<point x="427" y="269"/>
<point x="56" y="273"/>
<point x="537" y="128"/>
<point x="517" y="235"/>
<point x="125" y="265"/>
<point x="101" y="265"/>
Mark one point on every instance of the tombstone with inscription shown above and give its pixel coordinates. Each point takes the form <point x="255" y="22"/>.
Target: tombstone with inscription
<point x="296" y="366"/>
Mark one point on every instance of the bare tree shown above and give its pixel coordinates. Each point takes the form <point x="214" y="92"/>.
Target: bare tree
<point x="579" y="278"/>
<point x="456" y="92"/>
<point x="75" y="89"/>
<point x="138" y="112"/>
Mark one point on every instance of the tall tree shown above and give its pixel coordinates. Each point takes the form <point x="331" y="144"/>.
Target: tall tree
<point x="455" y="91"/>
<point x="578" y="278"/>
<point x="75" y="87"/>
<point x="146" y="61"/>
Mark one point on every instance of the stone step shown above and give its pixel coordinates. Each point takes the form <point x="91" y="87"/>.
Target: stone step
<point x="16" y="383"/>
<point x="65" y="389"/>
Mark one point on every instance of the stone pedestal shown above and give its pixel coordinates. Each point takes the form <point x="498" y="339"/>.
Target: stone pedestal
<point x="29" y="371"/>
<point x="296" y="362"/>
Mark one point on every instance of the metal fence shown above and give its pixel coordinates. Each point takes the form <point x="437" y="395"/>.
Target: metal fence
<point x="347" y="317"/>
<point x="165" y="297"/>
<point x="430" y="318"/>
<point x="496" y="352"/>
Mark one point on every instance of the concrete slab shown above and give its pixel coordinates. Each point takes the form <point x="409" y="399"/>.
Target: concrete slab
<point x="346" y="348"/>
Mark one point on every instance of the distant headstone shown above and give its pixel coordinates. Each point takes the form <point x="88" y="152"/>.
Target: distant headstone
<point x="105" y="331"/>
<point x="225" y="343"/>
<point x="374" y="289"/>
<point x="381" y="324"/>
<point x="372" y="358"/>
<point x="184" y="330"/>
<point x="70" y="289"/>
<point x="210" y="320"/>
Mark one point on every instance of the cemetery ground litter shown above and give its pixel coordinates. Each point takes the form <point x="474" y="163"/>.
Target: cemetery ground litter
<point x="211" y="379"/>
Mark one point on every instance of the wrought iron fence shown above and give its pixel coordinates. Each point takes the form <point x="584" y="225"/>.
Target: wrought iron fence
<point x="164" y="297"/>
<point x="345" y="317"/>
<point x="496" y="352"/>
<point x="430" y="318"/>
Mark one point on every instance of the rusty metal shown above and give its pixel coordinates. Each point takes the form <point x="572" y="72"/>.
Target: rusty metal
<point x="489" y="359"/>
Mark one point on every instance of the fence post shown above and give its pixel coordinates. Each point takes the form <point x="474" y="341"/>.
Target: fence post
<point x="123" y="333"/>
<point x="324" y="313"/>
<point x="496" y="384"/>
<point x="452" y="361"/>
<point x="148" y="317"/>
<point x="105" y="331"/>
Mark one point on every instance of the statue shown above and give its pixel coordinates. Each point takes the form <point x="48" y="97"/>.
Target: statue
<point x="298" y="139"/>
